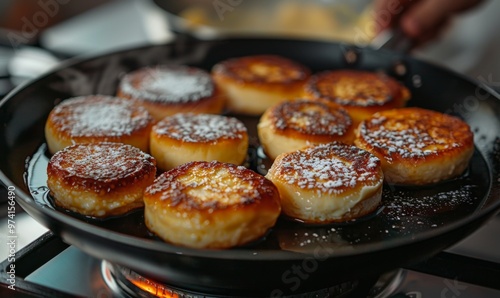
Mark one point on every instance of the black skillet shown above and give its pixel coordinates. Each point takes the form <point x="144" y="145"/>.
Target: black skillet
<point x="411" y="224"/>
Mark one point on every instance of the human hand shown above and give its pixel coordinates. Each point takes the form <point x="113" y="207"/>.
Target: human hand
<point x="420" y="20"/>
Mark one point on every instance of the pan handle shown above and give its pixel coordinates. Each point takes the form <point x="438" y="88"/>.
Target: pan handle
<point x="393" y="39"/>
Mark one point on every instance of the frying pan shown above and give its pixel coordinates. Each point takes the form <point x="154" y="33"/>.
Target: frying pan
<point x="412" y="223"/>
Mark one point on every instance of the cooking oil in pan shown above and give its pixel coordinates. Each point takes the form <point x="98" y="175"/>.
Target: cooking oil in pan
<point x="405" y="211"/>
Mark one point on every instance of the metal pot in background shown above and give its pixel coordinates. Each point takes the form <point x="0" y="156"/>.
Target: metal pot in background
<point x="469" y="46"/>
<point x="340" y="20"/>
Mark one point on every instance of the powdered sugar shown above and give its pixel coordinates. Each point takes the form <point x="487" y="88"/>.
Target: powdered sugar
<point x="263" y="68"/>
<point x="404" y="208"/>
<point x="210" y="184"/>
<point x="311" y="117"/>
<point x="330" y="168"/>
<point x="101" y="161"/>
<point x="408" y="143"/>
<point x="355" y="88"/>
<point x="168" y="84"/>
<point x="99" y="116"/>
<point x="404" y="137"/>
<point x="200" y="128"/>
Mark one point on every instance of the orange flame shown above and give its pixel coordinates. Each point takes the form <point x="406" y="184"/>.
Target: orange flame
<point x="154" y="289"/>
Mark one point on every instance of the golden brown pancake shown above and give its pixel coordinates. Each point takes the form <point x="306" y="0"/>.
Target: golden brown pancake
<point x="332" y="182"/>
<point x="97" y="118"/>
<point x="293" y="125"/>
<point x="170" y="89"/>
<point x="254" y="83"/>
<point x="417" y="146"/>
<point x="100" y="179"/>
<point x="362" y="93"/>
<point x="211" y="205"/>
<point x="198" y="137"/>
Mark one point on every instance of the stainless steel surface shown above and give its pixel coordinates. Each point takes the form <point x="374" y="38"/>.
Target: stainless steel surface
<point x="420" y="285"/>
<point x="483" y="244"/>
<point x="73" y="272"/>
<point x="115" y="25"/>
<point x="27" y="231"/>
<point x="30" y="62"/>
<point x="392" y="39"/>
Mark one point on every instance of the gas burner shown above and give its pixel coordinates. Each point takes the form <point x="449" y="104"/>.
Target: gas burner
<point x="125" y="282"/>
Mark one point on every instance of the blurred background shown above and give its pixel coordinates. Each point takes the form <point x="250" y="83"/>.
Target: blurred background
<point x="34" y="35"/>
